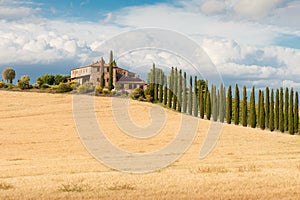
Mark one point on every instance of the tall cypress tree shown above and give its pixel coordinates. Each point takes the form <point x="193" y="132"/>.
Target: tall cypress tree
<point x="179" y="91"/>
<point x="214" y="103"/>
<point x="296" y="113"/>
<point x="236" y="105"/>
<point x="208" y="105"/>
<point x="184" y="96"/>
<point x="271" y="111"/>
<point x="267" y="107"/>
<point x="175" y="89"/>
<point x="252" y="109"/>
<point x="291" y="112"/>
<point x="155" y="83"/>
<point x="229" y="106"/>
<point x="262" y="111"/>
<point x="222" y="104"/>
<point x="190" y="98"/>
<point x="259" y="108"/>
<point x="170" y="98"/>
<point x="161" y="83"/>
<point x="277" y="110"/>
<point x="286" y="110"/>
<point x="195" y="97"/>
<point x="201" y="102"/>
<point x="281" y="111"/>
<point x="244" y="107"/>
<point x="102" y="81"/>
<point x="165" y="92"/>
<point x="205" y="95"/>
<point x="111" y="73"/>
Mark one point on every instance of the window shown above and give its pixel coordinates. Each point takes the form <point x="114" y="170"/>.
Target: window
<point x="98" y="69"/>
<point x="98" y="79"/>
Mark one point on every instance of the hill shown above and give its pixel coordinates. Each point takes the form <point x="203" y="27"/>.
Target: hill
<point x="41" y="156"/>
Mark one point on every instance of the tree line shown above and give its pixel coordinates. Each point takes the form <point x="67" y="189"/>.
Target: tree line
<point x="275" y="109"/>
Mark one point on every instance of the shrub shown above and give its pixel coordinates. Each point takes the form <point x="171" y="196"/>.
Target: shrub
<point x="98" y="90"/>
<point x="137" y="93"/>
<point x="86" y="88"/>
<point x="64" y="87"/>
<point x="9" y="86"/>
<point x="107" y="92"/>
<point x="23" y="83"/>
<point x="44" y="86"/>
<point x="2" y="84"/>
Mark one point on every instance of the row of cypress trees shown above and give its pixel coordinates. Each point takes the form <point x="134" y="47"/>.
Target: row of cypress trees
<point x="275" y="110"/>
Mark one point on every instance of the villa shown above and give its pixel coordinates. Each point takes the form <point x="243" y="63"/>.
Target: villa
<point x="122" y="77"/>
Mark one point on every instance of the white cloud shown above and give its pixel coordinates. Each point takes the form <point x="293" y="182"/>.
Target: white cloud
<point x="10" y="13"/>
<point x="255" y="9"/>
<point x="213" y="7"/>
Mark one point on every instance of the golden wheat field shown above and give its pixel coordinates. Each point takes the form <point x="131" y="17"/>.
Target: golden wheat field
<point x="42" y="157"/>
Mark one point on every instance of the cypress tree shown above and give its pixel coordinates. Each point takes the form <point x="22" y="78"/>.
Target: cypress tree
<point x="291" y="112"/>
<point x="155" y="83"/>
<point x="195" y="97"/>
<point x="244" y="107"/>
<point x="271" y="109"/>
<point x="165" y="93"/>
<point x="262" y="112"/>
<point x="222" y="103"/>
<point x="208" y="105"/>
<point x="281" y="111"/>
<point x="205" y="95"/>
<point x="179" y="91"/>
<point x="175" y="89"/>
<point x="252" y="109"/>
<point x="171" y="88"/>
<point x="110" y="78"/>
<point x="277" y="110"/>
<point x="184" y="96"/>
<point x="229" y="106"/>
<point x="102" y="81"/>
<point x="218" y="103"/>
<point x="237" y="105"/>
<point x="259" y="108"/>
<point x="286" y="110"/>
<point x="296" y="113"/>
<point x="190" y="98"/>
<point x="267" y="107"/>
<point x="161" y="83"/>
<point x="214" y="103"/>
<point x="201" y="102"/>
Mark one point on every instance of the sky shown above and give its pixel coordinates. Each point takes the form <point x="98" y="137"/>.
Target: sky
<point x="250" y="42"/>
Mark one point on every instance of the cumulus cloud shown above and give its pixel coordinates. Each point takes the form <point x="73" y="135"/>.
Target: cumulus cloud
<point x="213" y="7"/>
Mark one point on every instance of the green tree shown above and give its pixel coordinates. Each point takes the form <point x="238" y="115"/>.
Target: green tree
<point x="184" y="95"/>
<point x="277" y="112"/>
<point x="286" y="110"/>
<point x="195" y="98"/>
<point x="296" y="113"/>
<point x="214" y="103"/>
<point x="201" y="102"/>
<point x="179" y="91"/>
<point x="262" y="112"/>
<point x="222" y="103"/>
<point x="291" y="112"/>
<point x="190" y="98"/>
<point x="267" y="107"/>
<point x="9" y="74"/>
<point x="208" y="105"/>
<point x="271" y="110"/>
<point x="171" y="80"/>
<point x="175" y="89"/>
<point x="102" y="81"/>
<point x="229" y="106"/>
<point x="244" y="107"/>
<point x="161" y="83"/>
<point x="23" y="83"/>
<point x="111" y="72"/>
<point x="154" y="83"/>
<point x="165" y="93"/>
<point x="237" y="105"/>
<point x="252" y="109"/>
<point x="258" y="109"/>
<point x="281" y="111"/>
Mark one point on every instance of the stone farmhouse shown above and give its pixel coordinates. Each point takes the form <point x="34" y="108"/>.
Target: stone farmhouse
<point x="91" y="73"/>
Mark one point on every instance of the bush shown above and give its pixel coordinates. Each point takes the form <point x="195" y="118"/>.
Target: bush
<point x="64" y="87"/>
<point x="137" y="94"/>
<point x="9" y="86"/>
<point x="2" y="84"/>
<point x="86" y="88"/>
<point x="44" y="86"/>
<point x="98" y="90"/>
<point x="107" y="92"/>
<point x="24" y="83"/>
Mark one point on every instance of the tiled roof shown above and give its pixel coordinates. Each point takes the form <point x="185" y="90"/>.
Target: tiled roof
<point x="130" y="79"/>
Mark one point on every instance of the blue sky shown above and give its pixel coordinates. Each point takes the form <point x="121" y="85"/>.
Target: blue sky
<point x="250" y="42"/>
